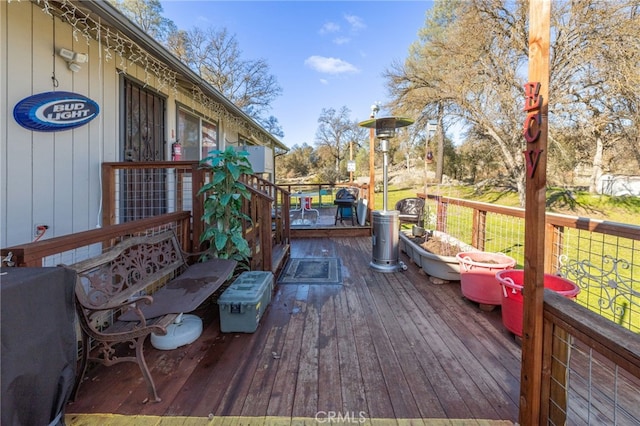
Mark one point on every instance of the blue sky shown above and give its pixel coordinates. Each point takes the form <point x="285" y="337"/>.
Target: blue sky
<point x="324" y="54"/>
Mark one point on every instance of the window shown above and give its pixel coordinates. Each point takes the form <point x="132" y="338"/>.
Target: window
<point x="209" y="138"/>
<point x="196" y="136"/>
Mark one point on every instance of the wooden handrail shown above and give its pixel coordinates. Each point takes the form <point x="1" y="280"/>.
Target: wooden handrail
<point x="556" y="219"/>
<point x="32" y="254"/>
<point x="616" y="343"/>
<point x="265" y="197"/>
<point x="555" y="224"/>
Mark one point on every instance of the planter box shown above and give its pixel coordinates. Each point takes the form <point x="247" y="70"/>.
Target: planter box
<point x="442" y="267"/>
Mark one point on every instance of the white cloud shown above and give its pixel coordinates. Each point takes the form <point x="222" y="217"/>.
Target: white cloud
<point x="329" y="27"/>
<point x="330" y="65"/>
<point x="355" y="22"/>
<point x="324" y="81"/>
<point x="341" y="40"/>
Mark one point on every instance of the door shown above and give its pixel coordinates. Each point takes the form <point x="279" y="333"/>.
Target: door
<point x="143" y="192"/>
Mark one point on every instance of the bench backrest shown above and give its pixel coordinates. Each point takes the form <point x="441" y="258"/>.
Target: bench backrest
<point x="126" y="269"/>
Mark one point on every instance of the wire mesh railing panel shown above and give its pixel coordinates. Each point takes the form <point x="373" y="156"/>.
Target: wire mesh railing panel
<point x="505" y="234"/>
<point x="607" y="270"/>
<point x="458" y="222"/>
<point x="148" y="192"/>
<point x="592" y="390"/>
<point x="500" y="233"/>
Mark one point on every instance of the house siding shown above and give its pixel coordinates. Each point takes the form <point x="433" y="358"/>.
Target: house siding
<point x="53" y="178"/>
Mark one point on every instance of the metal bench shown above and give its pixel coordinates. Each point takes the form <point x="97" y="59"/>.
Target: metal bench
<point x="136" y="288"/>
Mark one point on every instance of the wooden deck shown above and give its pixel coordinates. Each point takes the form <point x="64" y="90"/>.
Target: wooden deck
<point x="384" y="348"/>
<point x="325" y="225"/>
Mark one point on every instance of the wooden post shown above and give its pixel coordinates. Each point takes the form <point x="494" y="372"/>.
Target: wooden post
<point x="350" y="159"/>
<point x="108" y="195"/>
<point x="535" y="155"/>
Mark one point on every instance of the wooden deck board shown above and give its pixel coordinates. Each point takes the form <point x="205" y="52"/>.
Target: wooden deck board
<point x="457" y="360"/>
<point x="388" y="345"/>
<point x="281" y="401"/>
<point x="474" y="358"/>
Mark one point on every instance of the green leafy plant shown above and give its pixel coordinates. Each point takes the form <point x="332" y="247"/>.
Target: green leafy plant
<point x="224" y="194"/>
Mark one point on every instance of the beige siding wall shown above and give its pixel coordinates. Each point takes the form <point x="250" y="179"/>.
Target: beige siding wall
<point x="53" y="178"/>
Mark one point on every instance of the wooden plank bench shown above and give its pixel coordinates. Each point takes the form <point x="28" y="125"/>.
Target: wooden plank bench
<point x="114" y="304"/>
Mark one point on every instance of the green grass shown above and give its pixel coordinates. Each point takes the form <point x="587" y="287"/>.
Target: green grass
<point x="575" y="203"/>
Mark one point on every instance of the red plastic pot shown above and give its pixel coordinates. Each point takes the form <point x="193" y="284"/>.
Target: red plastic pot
<point x="478" y="275"/>
<point x="512" y="283"/>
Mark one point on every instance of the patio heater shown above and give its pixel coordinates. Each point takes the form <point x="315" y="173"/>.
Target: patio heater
<point x="385" y="222"/>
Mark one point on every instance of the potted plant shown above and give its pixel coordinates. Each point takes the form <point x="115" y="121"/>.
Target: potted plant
<point x="224" y="194"/>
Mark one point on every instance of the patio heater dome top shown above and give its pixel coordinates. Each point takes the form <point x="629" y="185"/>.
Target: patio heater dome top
<point x="386" y="126"/>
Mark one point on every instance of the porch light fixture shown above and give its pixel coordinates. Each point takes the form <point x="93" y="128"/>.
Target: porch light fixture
<point x="74" y="59"/>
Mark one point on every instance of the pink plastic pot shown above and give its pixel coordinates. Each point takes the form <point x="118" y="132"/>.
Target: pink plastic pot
<point x="478" y="275"/>
<point x="512" y="283"/>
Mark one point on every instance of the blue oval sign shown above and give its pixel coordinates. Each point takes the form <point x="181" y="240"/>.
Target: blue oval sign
<point x="55" y="111"/>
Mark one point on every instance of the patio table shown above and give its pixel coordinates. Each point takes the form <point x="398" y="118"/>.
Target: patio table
<point x="302" y="198"/>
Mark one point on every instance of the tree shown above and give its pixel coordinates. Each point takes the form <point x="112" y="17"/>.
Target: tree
<point x="478" y="80"/>
<point x="147" y="14"/>
<point x="300" y="161"/>
<point x="272" y="126"/>
<point x="216" y="56"/>
<point x="335" y="133"/>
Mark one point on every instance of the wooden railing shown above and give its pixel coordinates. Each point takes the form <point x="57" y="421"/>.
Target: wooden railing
<point x="591" y="367"/>
<point x="326" y="191"/>
<point x="591" y="364"/>
<point x="601" y="257"/>
<point x="138" y="195"/>
<point x="280" y="202"/>
<point x="268" y="228"/>
<point x="68" y="249"/>
<point x="135" y="190"/>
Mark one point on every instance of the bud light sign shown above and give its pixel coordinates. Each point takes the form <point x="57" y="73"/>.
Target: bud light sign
<point x="55" y="111"/>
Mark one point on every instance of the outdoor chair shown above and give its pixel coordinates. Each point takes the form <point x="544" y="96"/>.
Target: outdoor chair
<point x="411" y="211"/>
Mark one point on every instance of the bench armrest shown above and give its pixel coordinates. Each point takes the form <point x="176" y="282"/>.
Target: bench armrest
<point x="132" y="304"/>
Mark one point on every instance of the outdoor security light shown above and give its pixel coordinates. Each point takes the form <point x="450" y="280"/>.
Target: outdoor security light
<point x="74" y="59"/>
<point x="66" y="54"/>
<point x="74" y="67"/>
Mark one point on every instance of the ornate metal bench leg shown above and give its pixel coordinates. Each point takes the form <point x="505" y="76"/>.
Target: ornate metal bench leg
<point x="151" y="387"/>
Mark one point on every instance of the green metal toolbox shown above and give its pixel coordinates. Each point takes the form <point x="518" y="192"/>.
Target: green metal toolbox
<point x="244" y="301"/>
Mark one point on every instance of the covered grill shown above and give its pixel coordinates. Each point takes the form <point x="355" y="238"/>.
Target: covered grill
<point x="346" y="200"/>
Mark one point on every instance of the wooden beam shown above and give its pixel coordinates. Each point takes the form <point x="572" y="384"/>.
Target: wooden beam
<point x="535" y="132"/>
